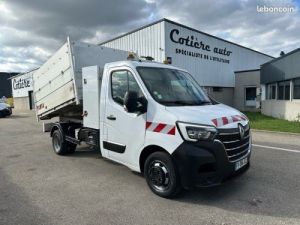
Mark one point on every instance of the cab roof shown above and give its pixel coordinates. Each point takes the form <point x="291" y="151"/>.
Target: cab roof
<point x="137" y="63"/>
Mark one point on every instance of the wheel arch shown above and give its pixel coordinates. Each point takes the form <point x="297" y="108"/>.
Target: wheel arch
<point x="148" y="151"/>
<point x="55" y="127"/>
<point x="65" y="128"/>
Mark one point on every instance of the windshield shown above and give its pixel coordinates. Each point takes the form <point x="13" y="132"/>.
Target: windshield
<point x="172" y="87"/>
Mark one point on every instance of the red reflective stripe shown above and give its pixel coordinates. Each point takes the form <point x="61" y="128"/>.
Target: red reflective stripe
<point x="159" y="127"/>
<point x="243" y="117"/>
<point x="234" y="119"/>
<point x="225" y="120"/>
<point x="215" y="122"/>
<point x="172" y="131"/>
<point x="148" y="124"/>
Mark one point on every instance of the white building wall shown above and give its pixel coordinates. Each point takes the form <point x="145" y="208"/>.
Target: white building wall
<point x="22" y="84"/>
<point x="288" y="110"/>
<point x="206" y="69"/>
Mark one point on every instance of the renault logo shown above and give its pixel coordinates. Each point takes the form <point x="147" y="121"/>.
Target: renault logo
<point x="241" y="131"/>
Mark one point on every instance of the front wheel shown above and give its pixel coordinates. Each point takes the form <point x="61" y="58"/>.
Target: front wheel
<point x="161" y="175"/>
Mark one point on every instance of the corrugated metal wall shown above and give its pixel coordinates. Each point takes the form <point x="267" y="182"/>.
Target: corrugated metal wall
<point x="285" y="68"/>
<point x="149" y="41"/>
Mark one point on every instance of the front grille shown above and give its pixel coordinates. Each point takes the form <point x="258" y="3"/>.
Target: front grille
<point x="236" y="148"/>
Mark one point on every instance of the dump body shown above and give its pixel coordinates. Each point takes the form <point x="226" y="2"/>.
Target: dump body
<point x="58" y="82"/>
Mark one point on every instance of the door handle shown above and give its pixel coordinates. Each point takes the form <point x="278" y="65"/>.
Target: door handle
<point x="111" y="117"/>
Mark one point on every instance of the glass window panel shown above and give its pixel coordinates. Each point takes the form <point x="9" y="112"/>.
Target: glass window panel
<point x="296" y="89"/>
<point x="280" y="90"/>
<point x="287" y="90"/>
<point x="119" y="86"/>
<point x="273" y="91"/>
<point x="251" y="93"/>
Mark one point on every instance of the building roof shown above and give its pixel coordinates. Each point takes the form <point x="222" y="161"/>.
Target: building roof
<point x="184" y="26"/>
<point x="20" y="74"/>
<point x="281" y="57"/>
<point x="245" y="71"/>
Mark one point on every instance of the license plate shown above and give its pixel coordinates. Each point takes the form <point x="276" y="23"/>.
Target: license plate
<point x="241" y="163"/>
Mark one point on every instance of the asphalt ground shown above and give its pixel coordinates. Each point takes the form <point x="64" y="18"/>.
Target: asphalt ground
<point x="39" y="187"/>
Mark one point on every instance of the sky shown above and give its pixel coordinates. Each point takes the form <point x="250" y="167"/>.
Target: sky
<point x="32" y="30"/>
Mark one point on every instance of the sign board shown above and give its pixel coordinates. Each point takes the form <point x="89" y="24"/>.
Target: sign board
<point x="22" y="84"/>
<point x="211" y="60"/>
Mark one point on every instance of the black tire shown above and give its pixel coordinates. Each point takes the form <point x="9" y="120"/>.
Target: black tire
<point x="161" y="175"/>
<point x="71" y="148"/>
<point x="60" y="145"/>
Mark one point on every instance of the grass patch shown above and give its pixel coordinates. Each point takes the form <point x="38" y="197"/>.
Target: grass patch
<point x="262" y="122"/>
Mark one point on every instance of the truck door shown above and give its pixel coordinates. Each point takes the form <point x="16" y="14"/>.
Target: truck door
<point x="125" y="131"/>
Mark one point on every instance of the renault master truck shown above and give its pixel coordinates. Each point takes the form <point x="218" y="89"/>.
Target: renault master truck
<point x="151" y="117"/>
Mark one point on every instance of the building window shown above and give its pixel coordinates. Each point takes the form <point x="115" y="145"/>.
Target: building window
<point x="284" y="90"/>
<point x="271" y="91"/>
<point x="296" y="89"/>
<point x="250" y="96"/>
<point x="217" y="89"/>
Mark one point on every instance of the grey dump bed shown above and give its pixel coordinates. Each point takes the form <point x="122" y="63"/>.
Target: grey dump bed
<point x="57" y="83"/>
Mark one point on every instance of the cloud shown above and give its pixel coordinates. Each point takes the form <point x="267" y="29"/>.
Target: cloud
<point x="31" y="30"/>
<point x="239" y="22"/>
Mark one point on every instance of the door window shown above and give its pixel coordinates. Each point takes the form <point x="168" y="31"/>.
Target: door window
<point x="121" y="82"/>
<point x="119" y="86"/>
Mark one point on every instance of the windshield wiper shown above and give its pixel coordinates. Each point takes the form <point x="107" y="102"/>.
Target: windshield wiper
<point x="205" y="103"/>
<point x="173" y="102"/>
<point x="177" y="102"/>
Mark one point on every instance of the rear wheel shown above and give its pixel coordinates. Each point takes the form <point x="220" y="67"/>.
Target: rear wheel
<point x="161" y="175"/>
<point x="60" y="145"/>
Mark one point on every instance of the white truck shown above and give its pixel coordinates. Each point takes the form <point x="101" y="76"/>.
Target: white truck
<point x="151" y="117"/>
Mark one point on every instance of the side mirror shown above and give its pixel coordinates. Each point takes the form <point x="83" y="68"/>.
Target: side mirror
<point x="134" y="104"/>
<point x="131" y="101"/>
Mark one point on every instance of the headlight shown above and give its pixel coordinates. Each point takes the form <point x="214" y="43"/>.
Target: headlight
<point x="194" y="132"/>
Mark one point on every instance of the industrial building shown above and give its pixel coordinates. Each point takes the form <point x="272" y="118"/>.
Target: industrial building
<point x="22" y="91"/>
<point x="211" y="60"/>
<point x="280" y="80"/>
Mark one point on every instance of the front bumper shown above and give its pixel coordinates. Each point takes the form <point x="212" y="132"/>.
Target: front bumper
<point x="205" y="164"/>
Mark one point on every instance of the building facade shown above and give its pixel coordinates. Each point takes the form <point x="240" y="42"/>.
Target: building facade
<point x="280" y="79"/>
<point x="22" y="90"/>
<point x="247" y="90"/>
<point x="211" y="60"/>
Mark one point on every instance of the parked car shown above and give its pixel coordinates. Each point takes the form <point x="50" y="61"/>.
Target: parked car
<point x="5" y="110"/>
